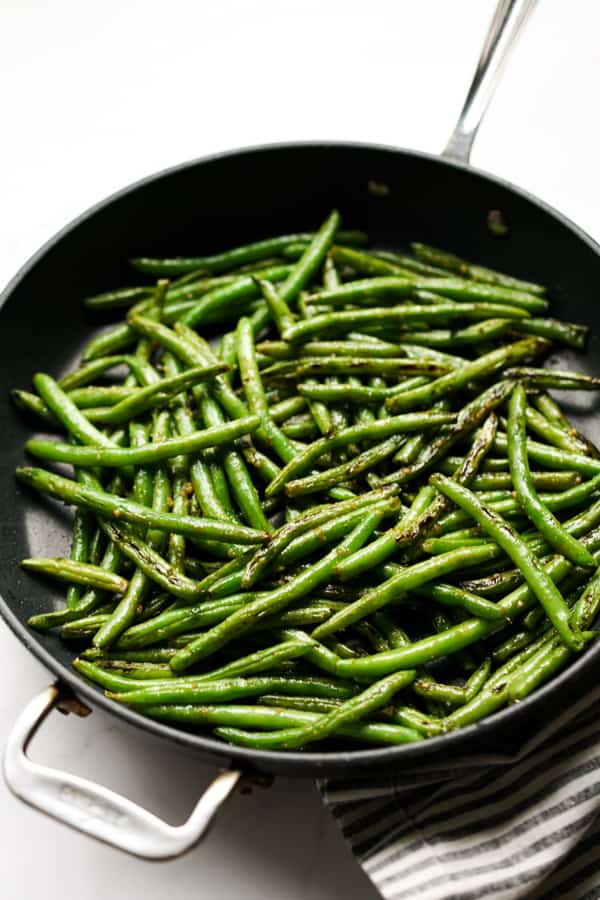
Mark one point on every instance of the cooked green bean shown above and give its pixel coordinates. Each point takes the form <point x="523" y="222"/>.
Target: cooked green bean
<point x="408" y="579"/>
<point x="372" y="431"/>
<point x="76" y="572"/>
<point x="505" y="536"/>
<point x="554" y="378"/>
<point x="293" y="530"/>
<point x="483" y="367"/>
<point x="144" y="455"/>
<point x="158" y="394"/>
<point x="276" y="530"/>
<point x="445" y="260"/>
<point x="374" y="697"/>
<point x="545" y="522"/>
<point x="274" y="601"/>
<point x="115" y="507"/>
<point x="248" y="253"/>
<point x="555" y="434"/>
<point x="406" y="314"/>
<point x="553" y="457"/>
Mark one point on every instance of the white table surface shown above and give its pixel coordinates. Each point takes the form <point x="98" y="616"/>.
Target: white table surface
<point x="98" y="94"/>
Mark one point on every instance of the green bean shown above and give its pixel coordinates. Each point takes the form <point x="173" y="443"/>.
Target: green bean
<point x="125" y="686"/>
<point x="427" y="687"/>
<point x="467" y="419"/>
<point x="551" y="410"/>
<point x="189" y="344"/>
<point x="108" y="342"/>
<point x="453" y="596"/>
<point x="409" y="263"/>
<point x="455" y="288"/>
<point x="270" y="603"/>
<point x="289" y="532"/>
<point x="86" y="373"/>
<point x="398" y="315"/>
<point x="80" y="550"/>
<point x="84" y="627"/>
<point x="139" y="584"/>
<point x="260" y="660"/>
<point x="76" y="572"/>
<point x="453" y="639"/>
<point x="184" y="291"/>
<point x="346" y="393"/>
<point x="247" y="253"/>
<point x="175" y="622"/>
<point x="203" y="477"/>
<point x="368" y="263"/>
<point x="534" y="574"/>
<point x="306" y="704"/>
<point x="268" y="717"/>
<point x="421" y="518"/>
<point x="354" y="365"/>
<point x="344" y="472"/>
<point x="445" y="260"/>
<point x="493" y="464"/>
<point x="372" y="431"/>
<point x="552" y="655"/>
<point x="407" y="579"/>
<point x="142" y="671"/>
<point x="372" y="698"/>
<point x="553" y="457"/>
<point x="152" y="655"/>
<point x="280" y="350"/>
<point x="480" y="368"/>
<point x="278" y="308"/>
<point x="119" y="508"/>
<point x="238" y="477"/>
<point x="67" y="413"/>
<point x="386" y="544"/>
<point x="149" y="454"/>
<point x="174" y="691"/>
<point x="32" y="404"/>
<point x="92" y="396"/>
<point x="554" y="378"/>
<point x="555" y="434"/>
<point x="537" y="512"/>
<point x="160" y="393"/>
<point x="311" y="260"/>
<point x="478" y="679"/>
<point x="119" y="298"/>
<point x="564" y="332"/>
<point x="548" y="481"/>
<point x="287" y="408"/>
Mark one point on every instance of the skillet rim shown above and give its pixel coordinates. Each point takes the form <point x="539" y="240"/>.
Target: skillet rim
<point x="307" y="764"/>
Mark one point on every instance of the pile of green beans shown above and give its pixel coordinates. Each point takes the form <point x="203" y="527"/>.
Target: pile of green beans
<point x="321" y="493"/>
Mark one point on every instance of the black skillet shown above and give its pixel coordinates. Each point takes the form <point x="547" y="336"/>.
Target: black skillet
<point x="215" y="203"/>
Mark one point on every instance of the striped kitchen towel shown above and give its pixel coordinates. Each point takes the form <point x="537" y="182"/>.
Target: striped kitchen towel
<point x="494" y="828"/>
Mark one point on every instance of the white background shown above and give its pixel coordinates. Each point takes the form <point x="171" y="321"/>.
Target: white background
<point x="97" y="94"/>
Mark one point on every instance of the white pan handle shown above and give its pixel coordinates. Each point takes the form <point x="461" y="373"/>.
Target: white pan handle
<point x="509" y="18"/>
<point x="94" y="809"/>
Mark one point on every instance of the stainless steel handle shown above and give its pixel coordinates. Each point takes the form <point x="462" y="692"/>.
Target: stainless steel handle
<point x="506" y="25"/>
<point x="94" y="809"/>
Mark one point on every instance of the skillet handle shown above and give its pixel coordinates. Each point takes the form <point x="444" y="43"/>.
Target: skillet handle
<point x="94" y="809"/>
<point x="507" y="23"/>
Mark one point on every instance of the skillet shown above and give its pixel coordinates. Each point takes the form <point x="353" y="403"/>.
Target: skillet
<point x="214" y="203"/>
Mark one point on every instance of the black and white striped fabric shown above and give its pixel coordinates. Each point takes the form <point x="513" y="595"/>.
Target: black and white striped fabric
<point x="528" y="827"/>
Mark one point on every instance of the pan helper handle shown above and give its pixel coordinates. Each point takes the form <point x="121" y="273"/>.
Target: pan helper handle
<point x="94" y="809"/>
<point x="507" y="24"/>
